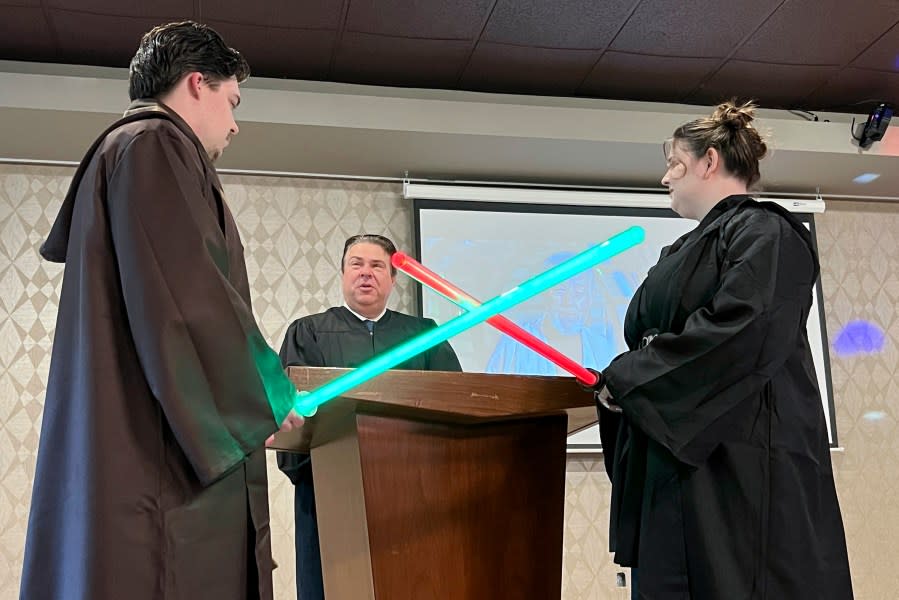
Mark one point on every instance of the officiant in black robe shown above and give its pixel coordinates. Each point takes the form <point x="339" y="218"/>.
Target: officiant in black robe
<point x="347" y="336"/>
<point x="712" y="426"/>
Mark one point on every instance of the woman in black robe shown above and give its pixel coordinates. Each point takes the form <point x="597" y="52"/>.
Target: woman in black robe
<point x="712" y="426"/>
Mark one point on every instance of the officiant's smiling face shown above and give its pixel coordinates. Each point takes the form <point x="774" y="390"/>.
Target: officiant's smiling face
<point x="368" y="278"/>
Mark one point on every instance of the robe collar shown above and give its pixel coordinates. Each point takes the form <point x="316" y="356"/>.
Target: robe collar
<point x="151" y="106"/>
<point x="362" y="317"/>
<point x="722" y="207"/>
<point x="731" y="204"/>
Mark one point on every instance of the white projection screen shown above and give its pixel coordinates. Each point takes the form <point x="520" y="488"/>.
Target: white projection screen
<point x="487" y="248"/>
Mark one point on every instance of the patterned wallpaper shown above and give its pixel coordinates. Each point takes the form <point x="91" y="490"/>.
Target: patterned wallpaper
<point x="860" y="278"/>
<point x="293" y="232"/>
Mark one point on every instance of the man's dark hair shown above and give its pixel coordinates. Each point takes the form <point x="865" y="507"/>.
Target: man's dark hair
<point x="370" y="238"/>
<point x="168" y="52"/>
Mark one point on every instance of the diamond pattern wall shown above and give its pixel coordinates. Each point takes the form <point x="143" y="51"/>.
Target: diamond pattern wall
<point x="293" y="231"/>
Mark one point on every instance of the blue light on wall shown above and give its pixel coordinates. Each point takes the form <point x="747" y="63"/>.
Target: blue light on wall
<point x="874" y="416"/>
<point x="866" y="177"/>
<point x="858" y="337"/>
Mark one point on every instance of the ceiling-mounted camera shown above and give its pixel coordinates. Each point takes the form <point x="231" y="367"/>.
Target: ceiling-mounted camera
<point x="873" y="129"/>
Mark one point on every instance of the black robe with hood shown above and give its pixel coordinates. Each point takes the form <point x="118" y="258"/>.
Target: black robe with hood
<point x="722" y="486"/>
<point x="151" y="476"/>
<point x="338" y="338"/>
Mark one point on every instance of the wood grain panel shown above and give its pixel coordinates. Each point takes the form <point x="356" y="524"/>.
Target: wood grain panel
<point x="464" y="511"/>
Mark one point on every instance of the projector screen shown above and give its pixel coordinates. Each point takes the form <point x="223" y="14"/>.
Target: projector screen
<point x="487" y="248"/>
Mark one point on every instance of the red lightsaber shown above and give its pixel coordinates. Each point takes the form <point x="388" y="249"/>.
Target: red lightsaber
<point x="419" y="272"/>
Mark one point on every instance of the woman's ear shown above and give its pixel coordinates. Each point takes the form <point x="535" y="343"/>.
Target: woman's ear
<point x="712" y="160"/>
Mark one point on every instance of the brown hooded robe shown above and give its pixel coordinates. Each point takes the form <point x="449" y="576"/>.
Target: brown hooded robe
<point x="151" y="476"/>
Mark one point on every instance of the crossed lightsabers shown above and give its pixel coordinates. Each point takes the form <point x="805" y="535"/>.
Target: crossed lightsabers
<point x="476" y="313"/>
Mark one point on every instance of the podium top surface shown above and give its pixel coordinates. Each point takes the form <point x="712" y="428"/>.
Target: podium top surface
<point x="440" y="397"/>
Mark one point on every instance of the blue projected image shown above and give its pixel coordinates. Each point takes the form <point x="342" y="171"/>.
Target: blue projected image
<point x="575" y="320"/>
<point x="582" y="317"/>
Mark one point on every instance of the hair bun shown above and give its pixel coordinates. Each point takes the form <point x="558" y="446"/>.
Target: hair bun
<point x="734" y="116"/>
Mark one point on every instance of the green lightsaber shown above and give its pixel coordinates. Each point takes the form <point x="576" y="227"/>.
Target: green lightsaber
<point x="309" y="402"/>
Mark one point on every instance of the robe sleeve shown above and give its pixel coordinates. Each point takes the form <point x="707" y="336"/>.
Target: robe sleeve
<point x="441" y="357"/>
<point x="220" y="386"/>
<point x="681" y="387"/>
<point x="299" y="349"/>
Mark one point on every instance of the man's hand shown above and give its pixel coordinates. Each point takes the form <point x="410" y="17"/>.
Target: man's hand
<point x="291" y="422"/>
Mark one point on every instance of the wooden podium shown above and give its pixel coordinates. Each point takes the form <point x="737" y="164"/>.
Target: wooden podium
<point x="441" y="485"/>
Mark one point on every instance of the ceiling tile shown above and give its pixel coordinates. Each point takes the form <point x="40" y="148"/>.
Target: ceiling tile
<point x="700" y="28"/>
<point x="856" y="90"/>
<point x="641" y="77"/>
<point x="439" y="19"/>
<point x="527" y="70"/>
<point x="165" y="10"/>
<point x="584" y="24"/>
<point x="384" y="60"/>
<point x="819" y="32"/>
<point x="782" y="86"/>
<point x="99" y="39"/>
<point x="308" y="14"/>
<point x="26" y="35"/>
<point x="280" y="52"/>
<point x="883" y="54"/>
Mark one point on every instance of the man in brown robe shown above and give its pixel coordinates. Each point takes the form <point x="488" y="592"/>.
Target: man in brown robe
<point x="151" y="476"/>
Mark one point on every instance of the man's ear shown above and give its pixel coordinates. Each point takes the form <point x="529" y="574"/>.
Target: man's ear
<point x="194" y="81"/>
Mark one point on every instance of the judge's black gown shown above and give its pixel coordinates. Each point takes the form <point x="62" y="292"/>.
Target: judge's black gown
<point x="337" y="338"/>
<point x="722" y="486"/>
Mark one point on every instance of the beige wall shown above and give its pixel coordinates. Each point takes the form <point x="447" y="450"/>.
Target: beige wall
<point x="293" y="231"/>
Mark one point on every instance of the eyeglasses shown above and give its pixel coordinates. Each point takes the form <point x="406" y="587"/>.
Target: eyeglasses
<point x="675" y="169"/>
